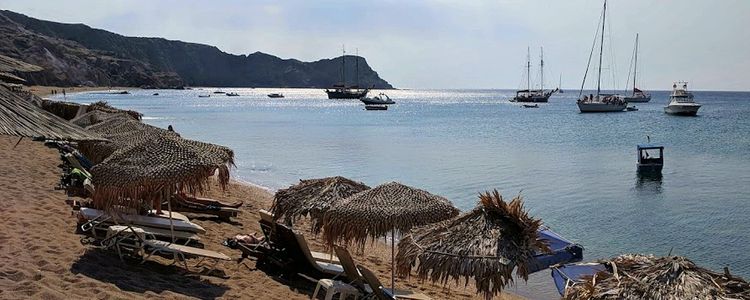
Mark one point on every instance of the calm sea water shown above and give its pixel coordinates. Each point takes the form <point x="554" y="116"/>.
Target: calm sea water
<point x="576" y="171"/>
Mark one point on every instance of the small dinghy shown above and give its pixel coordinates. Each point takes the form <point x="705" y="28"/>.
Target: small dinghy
<point x="275" y="95"/>
<point x="376" y="107"/>
<point x="631" y="108"/>
<point x="530" y="106"/>
<point x="380" y="99"/>
<point x="232" y="94"/>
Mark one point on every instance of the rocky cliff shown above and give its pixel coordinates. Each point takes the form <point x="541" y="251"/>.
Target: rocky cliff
<point x="76" y="54"/>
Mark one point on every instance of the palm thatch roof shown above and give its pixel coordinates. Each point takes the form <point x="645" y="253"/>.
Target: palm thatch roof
<point x="21" y="117"/>
<point x="313" y="197"/>
<point x="11" y="65"/>
<point x="155" y="169"/>
<point x="10" y="78"/>
<point x="122" y="132"/>
<point x="635" y="276"/>
<point x="486" y="243"/>
<point x="376" y="212"/>
<point x="105" y="107"/>
<point x="97" y="116"/>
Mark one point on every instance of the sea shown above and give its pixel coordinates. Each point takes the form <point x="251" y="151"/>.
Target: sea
<point x="577" y="172"/>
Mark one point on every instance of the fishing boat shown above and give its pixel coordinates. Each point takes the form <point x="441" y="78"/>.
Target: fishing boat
<point x="342" y="91"/>
<point x="232" y="94"/>
<point x="376" y="107"/>
<point x="529" y="95"/>
<point x="204" y="96"/>
<point x="275" y="95"/>
<point x="681" y="101"/>
<point x="600" y="102"/>
<point x="650" y="158"/>
<point x="637" y="95"/>
<point x="219" y="92"/>
<point x="380" y="99"/>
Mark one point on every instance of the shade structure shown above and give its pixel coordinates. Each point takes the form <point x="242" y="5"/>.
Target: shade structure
<point x="313" y="197"/>
<point x="96" y="116"/>
<point x="20" y="117"/>
<point x="121" y="132"/>
<point x="153" y="170"/>
<point x="376" y="212"/>
<point x="390" y="207"/>
<point x="486" y="244"/>
<point x="8" y="64"/>
<point x="636" y="276"/>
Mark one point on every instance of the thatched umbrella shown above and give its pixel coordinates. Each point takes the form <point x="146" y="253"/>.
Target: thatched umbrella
<point x="313" y="197"/>
<point x="20" y="117"/>
<point x="486" y="243"/>
<point x="153" y="170"/>
<point x="390" y="207"/>
<point x="636" y="276"/>
<point x="122" y="132"/>
<point x="96" y="116"/>
<point x="8" y="64"/>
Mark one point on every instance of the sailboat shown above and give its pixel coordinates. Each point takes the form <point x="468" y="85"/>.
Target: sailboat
<point x="638" y="95"/>
<point x="529" y="95"/>
<point x="600" y="102"/>
<point x="342" y="91"/>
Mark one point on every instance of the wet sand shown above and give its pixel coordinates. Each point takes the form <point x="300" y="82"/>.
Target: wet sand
<point x="41" y="256"/>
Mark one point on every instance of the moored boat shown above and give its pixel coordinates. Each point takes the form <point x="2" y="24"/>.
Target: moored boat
<point x="342" y="91"/>
<point x="681" y="101"/>
<point x="637" y="95"/>
<point x="380" y="99"/>
<point x="376" y="107"/>
<point x="275" y="95"/>
<point x="650" y="159"/>
<point x="232" y="94"/>
<point x="531" y="95"/>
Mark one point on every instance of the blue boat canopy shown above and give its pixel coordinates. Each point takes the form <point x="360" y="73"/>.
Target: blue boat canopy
<point x="563" y="251"/>
<point x="650" y="146"/>
<point x="569" y="275"/>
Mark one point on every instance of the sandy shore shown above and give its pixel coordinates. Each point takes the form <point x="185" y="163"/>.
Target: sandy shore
<point x="41" y="257"/>
<point x="45" y="91"/>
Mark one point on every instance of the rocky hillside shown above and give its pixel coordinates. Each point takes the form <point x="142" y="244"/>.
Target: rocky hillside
<point x="74" y="54"/>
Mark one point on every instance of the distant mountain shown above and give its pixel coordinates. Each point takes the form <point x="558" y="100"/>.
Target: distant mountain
<point x="74" y="54"/>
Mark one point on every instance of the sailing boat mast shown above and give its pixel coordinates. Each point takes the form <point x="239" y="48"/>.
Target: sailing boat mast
<point x="601" y="50"/>
<point x="541" y="70"/>
<point x="343" y="65"/>
<point x="528" y="68"/>
<point x="635" y="63"/>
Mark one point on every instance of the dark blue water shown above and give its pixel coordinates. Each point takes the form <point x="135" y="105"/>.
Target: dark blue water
<point x="576" y="171"/>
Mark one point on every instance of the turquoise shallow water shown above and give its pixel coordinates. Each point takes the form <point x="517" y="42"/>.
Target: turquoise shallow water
<point x="575" y="171"/>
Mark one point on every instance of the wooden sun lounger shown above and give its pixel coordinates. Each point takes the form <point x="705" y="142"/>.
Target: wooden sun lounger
<point x="184" y="204"/>
<point x="302" y="257"/>
<point x="180" y="252"/>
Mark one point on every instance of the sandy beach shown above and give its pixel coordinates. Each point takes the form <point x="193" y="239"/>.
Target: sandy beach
<point x="42" y="256"/>
<point x="44" y="91"/>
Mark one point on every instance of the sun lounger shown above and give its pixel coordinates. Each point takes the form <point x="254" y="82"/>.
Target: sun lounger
<point x="91" y="214"/>
<point x="301" y="257"/>
<point x="183" y="204"/>
<point x="209" y="201"/>
<point x="180" y="252"/>
<point x="268" y="227"/>
<point x="386" y="294"/>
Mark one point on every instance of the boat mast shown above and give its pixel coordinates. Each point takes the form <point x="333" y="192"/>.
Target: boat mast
<point x="541" y="70"/>
<point x="528" y="69"/>
<point x="601" y="50"/>
<point x="635" y="63"/>
<point x="343" y="65"/>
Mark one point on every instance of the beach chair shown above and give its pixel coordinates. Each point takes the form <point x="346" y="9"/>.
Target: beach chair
<point x="268" y="227"/>
<point x="181" y="253"/>
<point x="301" y="257"/>
<point x="382" y="293"/>
<point x="351" y="271"/>
<point x="182" y="204"/>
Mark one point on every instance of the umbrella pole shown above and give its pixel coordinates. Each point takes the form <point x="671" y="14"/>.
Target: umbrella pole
<point x="171" y="224"/>
<point x="393" y="270"/>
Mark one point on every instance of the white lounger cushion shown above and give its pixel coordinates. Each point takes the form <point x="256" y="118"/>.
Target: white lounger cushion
<point x="186" y="250"/>
<point x="156" y="222"/>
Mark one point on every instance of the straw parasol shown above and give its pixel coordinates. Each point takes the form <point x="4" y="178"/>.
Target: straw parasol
<point x="122" y="132"/>
<point x="390" y="207"/>
<point x="636" y="276"/>
<point x="20" y="117"/>
<point x="96" y="116"/>
<point x="8" y="64"/>
<point x="155" y="169"/>
<point x="313" y="197"/>
<point x="486" y="243"/>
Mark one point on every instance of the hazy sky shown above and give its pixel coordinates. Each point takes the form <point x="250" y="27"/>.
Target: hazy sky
<point x="446" y="43"/>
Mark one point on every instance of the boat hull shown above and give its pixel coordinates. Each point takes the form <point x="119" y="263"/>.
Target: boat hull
<point x="682" y="110"/>
<point x="534" y="99"/>
<point x="598" y="107"/>
<point x="637" y="99"/>
<point x="376" y="107"/>
<point x="346" y="94"/>
<point x="367" y="101"/>
<point x="650" y="168"/>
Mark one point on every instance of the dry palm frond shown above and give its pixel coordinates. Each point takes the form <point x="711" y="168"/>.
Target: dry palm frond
<point x="105" y="107"/>
<point x="376" y="212"/>
<point x="486" y="244"/>
<point x="635" y="276"/>
<point x="20" y="117"/>
<point x="313" y="197"/>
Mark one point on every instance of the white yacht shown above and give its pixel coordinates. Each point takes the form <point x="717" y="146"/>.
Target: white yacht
<point x="600" y="102"/>
<point x="681" y="101"/>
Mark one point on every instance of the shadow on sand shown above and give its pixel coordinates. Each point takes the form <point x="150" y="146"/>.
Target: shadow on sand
<point x="130" y="275"/>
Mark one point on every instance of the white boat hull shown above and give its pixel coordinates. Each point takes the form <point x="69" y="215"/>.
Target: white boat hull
<point x="682" y="109"/>
<point x="587" y="107"/>
<point x="637" y="99"/>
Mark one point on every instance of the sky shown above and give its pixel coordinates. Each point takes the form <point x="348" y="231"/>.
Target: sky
<point x="452" y="43"/>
